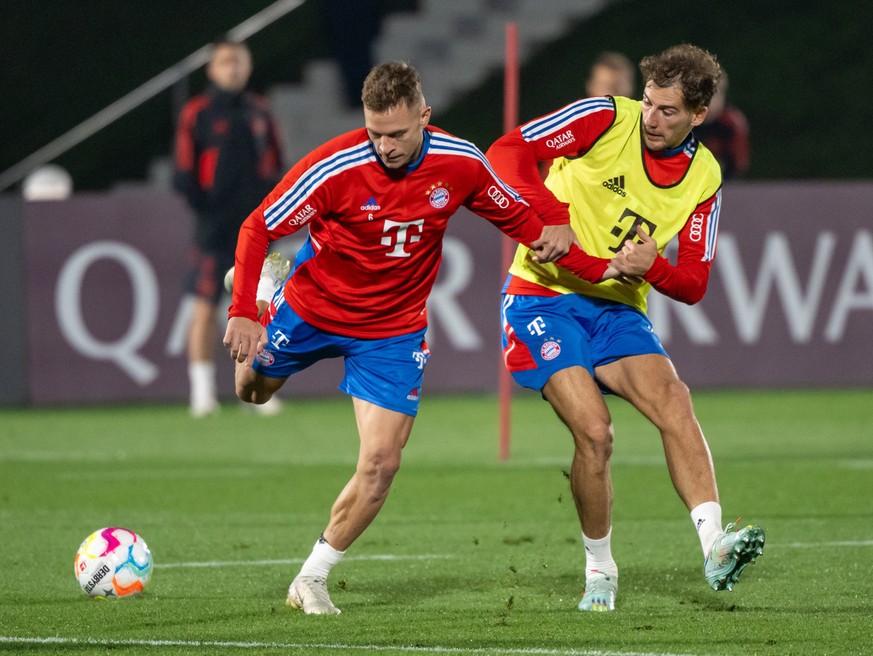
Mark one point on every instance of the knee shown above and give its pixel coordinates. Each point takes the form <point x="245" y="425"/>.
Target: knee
<point x="258" y="397"/>
<point x="378" y="470"/>
<point x="244" y="392"/>
<point x="249" y="392"/>
<point x="594" y="439"/>
<point x="674" y="406"/>
<point x="677" y="390"/>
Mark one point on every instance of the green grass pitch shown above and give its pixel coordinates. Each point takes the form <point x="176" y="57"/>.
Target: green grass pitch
<point x="469" y="556"/>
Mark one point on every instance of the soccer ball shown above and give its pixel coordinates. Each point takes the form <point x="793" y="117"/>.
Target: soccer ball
<point x="113" y="562"/>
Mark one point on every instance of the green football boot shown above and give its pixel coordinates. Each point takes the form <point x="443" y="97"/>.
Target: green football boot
<point x="731" y="553"/>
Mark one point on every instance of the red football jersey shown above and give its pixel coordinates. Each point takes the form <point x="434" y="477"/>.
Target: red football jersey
<point x="377" y="233"/>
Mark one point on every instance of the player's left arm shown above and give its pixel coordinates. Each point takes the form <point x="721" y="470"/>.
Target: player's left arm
<point x="502" y="206"/>
<point x="270" y="167"/>
<point x="686" y="280"/>
<point x="186" y="155"/>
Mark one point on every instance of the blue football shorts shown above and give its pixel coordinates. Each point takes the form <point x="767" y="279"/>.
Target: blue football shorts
<point x="386" y="372"/>
<point x="545" y="334"/>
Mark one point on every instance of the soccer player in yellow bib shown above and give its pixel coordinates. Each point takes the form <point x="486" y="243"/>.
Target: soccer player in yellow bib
<point x="632" y="177"/>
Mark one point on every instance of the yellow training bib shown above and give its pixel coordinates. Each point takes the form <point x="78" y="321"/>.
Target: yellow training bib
<point x="611" y="197"/>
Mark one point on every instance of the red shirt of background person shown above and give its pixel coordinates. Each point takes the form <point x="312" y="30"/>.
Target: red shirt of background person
<point x="725" y="131"/>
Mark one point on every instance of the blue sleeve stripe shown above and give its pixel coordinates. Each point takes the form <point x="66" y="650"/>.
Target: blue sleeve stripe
<point x="313" y="177"/>
<point x="712" y="228"/>
<point x="553" y="122"/>
<point x="447" y="145"/>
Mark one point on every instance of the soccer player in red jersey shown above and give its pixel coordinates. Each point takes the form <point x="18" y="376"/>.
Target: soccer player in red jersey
<point x="631" y="176"/>
<point x="376" y="201"/>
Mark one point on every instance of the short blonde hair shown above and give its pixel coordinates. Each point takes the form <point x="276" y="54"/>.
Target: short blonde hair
<point x="391" y="84"/>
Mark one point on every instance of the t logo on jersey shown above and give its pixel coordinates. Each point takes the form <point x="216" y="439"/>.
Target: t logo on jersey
<point x="399" y="233"/>
<point x="618" y="230"/>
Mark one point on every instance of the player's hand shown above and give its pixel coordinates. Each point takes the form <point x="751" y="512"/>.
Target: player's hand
<point x="610" y="274"/>
<point x="636" y="257"/>
<point x="629" y="281"/>
<point x="244" y="338"/>
<point x="554" y="243"/>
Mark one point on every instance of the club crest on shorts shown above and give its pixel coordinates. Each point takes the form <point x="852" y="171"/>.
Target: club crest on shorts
<point x="550" y="350"/>
<point x="265" y="357"/>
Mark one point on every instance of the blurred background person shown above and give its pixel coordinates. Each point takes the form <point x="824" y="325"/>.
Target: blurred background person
<point x="228" y="157"/>
<point x="611" y="74"/>
<point x="725" y="131"/>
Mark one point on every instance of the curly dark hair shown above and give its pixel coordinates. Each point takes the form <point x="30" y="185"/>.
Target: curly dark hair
<point x="694" y="70"/>
<point x="388" y="85"/>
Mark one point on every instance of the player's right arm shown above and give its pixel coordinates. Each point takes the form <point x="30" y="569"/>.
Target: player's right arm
<point x="299" y="198"/>
<point x="566" y="132"/>
<point x="245" y="335"/>
<point x="510" y="213"/>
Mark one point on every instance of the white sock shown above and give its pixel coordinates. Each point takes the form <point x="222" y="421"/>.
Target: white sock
<point x="321" y="560"/>
<point x="707" y="521"/>
<point x="201" y="377"/>
<point x="598" y="555"/>
<point x="266" y="288"/>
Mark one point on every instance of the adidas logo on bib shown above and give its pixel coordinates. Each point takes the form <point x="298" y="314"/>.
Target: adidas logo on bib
<point x="615" y="184"/>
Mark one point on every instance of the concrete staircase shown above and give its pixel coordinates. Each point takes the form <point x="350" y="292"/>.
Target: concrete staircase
<point x="454" y="44"/>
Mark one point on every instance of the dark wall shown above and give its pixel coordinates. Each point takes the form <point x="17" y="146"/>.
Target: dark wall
<point x="69" y="60"/>
<point x="13" y="326"/>
<point x="802" y="72"/>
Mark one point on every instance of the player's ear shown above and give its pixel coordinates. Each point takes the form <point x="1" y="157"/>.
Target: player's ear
<point x="698" y="116"/>
<point x="424" y="119"/>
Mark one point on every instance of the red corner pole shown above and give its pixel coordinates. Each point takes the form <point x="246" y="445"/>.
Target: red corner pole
<point x="510" y="120"/>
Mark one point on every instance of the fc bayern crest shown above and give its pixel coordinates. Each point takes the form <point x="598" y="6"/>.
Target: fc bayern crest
<point x="550" y="350"/>
<point x="265" y="357"/>
<point x="439" y="198"/>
